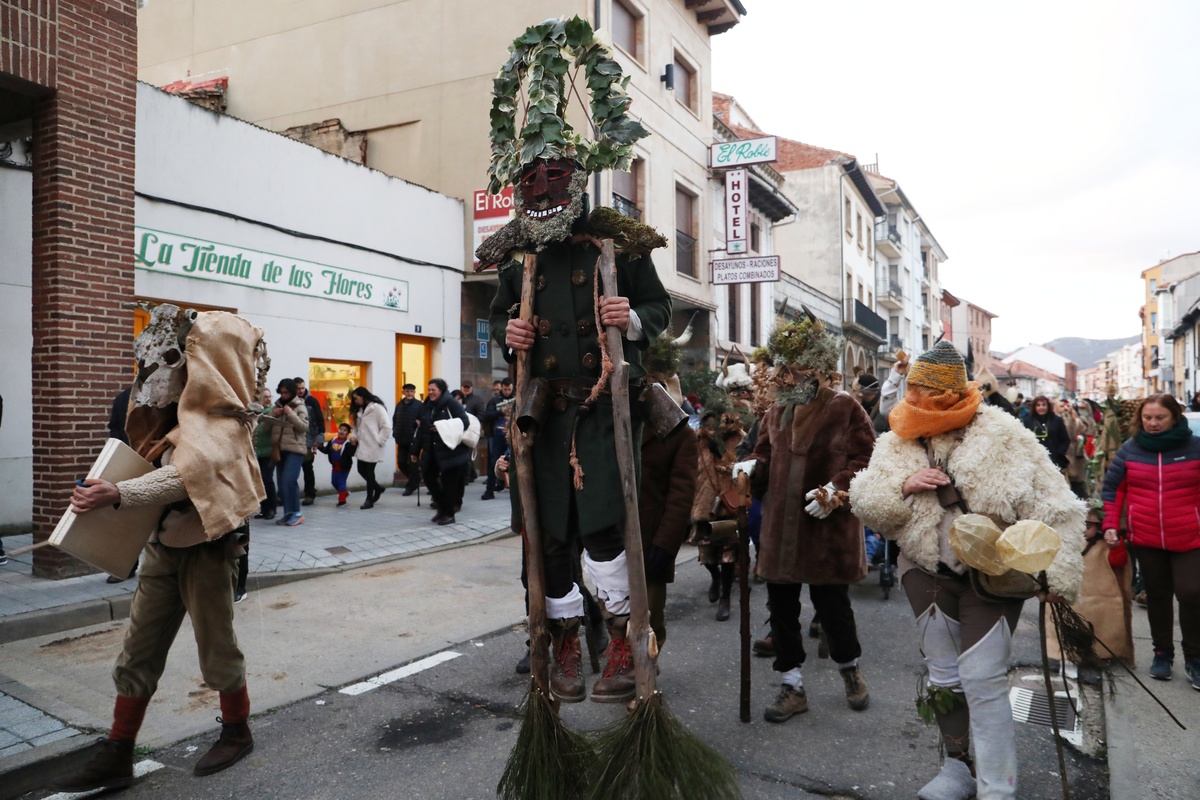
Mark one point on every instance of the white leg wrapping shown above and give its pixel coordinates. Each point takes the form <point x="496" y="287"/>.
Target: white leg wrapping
<point x="612" y="583"/>
<point x="565" y="607"/>
<point x="941" y="642"/>
<point x="983" y="672"/>
<point x="954" y="782"/>
<point x="793" y="678"/>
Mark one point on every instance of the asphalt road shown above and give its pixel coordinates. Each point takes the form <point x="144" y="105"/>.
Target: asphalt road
<point x="446" y="731"/>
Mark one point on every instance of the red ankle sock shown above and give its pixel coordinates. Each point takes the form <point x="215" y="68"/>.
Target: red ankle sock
<point x="128" y="714"/>
<point x="235" y="706"/>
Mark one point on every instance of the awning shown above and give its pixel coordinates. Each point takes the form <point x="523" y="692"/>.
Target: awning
<point x="769" y="200"/>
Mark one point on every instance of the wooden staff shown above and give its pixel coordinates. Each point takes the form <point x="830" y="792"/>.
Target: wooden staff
<point x="522" y="443"/>
<point x="743" y="487"/>
<point x="639" y="604"/>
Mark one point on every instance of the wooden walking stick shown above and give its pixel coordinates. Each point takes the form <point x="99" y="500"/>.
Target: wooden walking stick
<point x="743" y="487"/>
<point x="648" y="754"/>
<point x="548" y="760"/>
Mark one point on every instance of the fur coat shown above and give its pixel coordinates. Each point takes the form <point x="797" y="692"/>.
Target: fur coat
<point x="826" y="441"/>
<point x="1000" y="470"/>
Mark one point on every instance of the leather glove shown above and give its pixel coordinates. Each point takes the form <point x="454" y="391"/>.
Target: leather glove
<point x="744" y="467"/>
<point x="658" y="563"/>
<point x="824" y="501"/>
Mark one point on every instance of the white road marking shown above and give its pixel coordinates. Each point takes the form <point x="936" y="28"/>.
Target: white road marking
<point x="403" y="672"/>
<point x="140" y="769"/>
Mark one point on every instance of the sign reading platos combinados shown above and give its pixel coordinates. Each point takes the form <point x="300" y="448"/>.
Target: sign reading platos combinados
<point x="200" y="259"/>
<point x="756" y="269"/>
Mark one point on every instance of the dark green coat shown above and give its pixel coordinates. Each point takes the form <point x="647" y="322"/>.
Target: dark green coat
<point x="569" y="348"/>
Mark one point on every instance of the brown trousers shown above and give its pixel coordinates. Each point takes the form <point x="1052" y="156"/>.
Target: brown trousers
<point x="197" y="581"/>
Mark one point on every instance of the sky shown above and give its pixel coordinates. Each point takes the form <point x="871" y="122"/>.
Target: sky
<point x="1052" y="147"/>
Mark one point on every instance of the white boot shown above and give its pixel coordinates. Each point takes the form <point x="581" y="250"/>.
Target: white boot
<point x="954" y="782"/>
<point x="983" y="672"/>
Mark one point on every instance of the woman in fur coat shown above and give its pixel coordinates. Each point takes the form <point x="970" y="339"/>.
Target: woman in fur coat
<point x="944" y="439"/>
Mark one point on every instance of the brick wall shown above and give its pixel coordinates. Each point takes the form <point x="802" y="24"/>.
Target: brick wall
<point x="85" y="53"/>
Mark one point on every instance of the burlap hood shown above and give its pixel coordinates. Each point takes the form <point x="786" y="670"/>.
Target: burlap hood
<point x="215" y="454"/>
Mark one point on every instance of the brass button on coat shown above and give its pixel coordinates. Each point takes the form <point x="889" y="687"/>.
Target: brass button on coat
<point x="578" y="277"/>
<point x="589" y="361"/>
<point x="541" y="282"/>
<point x="550" y="363"/>
<point x="544" y="327"/>
<point x="583" y="327"/>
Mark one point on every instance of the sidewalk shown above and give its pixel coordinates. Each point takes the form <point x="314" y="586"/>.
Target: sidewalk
<point x="330" y="540"/>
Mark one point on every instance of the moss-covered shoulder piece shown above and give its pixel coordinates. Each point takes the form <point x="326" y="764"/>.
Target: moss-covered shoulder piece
<point x="630" y="237"/>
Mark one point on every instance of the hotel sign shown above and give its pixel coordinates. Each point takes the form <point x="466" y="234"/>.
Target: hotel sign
<point x="742" y="152"/>
<point x="190" y="257"/>
<point x="735" y="211"/>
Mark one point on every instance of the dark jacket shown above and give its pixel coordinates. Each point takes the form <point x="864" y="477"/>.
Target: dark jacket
<point x="404" y="422"/>
<point x="668" y="485"/>
<point x="567" y="351"/>
<point x="474" y="404"/>
<point x="316" y="420"/>
<point x="491" y="414"/>
<point x="1052" y="433"/>
<point x="432" y="449"/>
<point x="116" y="420"/>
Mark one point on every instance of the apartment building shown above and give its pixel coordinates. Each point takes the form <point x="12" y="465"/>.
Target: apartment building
<point x="404" y="87"/>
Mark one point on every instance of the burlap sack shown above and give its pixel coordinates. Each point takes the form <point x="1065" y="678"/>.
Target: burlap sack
<point x="1106" y="601"/>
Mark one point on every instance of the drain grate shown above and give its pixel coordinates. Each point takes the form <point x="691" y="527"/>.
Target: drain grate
<point x="337" y="551"/>
<point x="1034" y="708"/>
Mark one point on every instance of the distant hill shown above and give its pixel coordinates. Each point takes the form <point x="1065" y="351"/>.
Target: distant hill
<point x="1086" y="352"/>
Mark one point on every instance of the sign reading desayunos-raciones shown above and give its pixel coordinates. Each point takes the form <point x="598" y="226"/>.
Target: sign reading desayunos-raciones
<point x="189" y="257"/>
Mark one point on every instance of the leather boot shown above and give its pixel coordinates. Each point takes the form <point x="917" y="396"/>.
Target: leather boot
<point x="111" y="767"/>
<point x="617" y="684"/>
<point x="566" y="680"/>
<point x="234" y="743"/>
<point x="857" y="694"/>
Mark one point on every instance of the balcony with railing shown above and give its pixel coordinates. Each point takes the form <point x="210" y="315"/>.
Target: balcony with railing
<point x="626" y="207"/>
<point x="887" y="240"/>
<point x="685" y="254"/>
<point x="889" y="293"/>
<point x="869" y="321"/>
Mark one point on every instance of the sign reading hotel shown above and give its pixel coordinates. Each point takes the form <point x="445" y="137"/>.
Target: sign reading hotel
<point x="735" y="211"/>
<point x="742" y="152"/>
<point x="491" y="213"/>
<point x="190" y="257"/>
<point x="759" y="269"/>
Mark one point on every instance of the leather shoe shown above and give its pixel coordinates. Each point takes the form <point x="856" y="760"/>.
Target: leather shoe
<point x="488" y="496"/>
<point x="111" y="767"/>
<point x="447" y="520"/>
<point x="308" y="501"/>
<point x="408" y="491"/>
<point x="235" y="742"/>
<point x="368" y="504"/>
<point x="723" y="609"/>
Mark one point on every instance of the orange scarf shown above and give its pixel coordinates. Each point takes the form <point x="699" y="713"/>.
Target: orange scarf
<point x="928" y="412"/>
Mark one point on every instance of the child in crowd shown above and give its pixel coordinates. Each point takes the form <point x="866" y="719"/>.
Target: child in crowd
<point x="341" y="457"/>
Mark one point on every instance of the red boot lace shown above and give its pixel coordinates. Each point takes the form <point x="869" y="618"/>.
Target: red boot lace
<point x="568" y="657"/>
<point x="618" y="657"/>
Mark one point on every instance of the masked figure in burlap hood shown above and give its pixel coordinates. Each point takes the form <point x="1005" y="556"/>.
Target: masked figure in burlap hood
<point x="194" y="407"/>
<point x="811" y="441"/>
<point x="948" y="453"/>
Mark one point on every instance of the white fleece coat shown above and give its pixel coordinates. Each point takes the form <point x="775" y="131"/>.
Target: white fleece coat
<point x="1000" y="470"/>
<point x="374" y="432"/>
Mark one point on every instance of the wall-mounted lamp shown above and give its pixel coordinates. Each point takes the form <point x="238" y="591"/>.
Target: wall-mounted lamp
<point x="668" y="77"/>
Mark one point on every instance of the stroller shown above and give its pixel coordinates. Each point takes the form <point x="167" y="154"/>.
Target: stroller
<point x="885" y="556"/>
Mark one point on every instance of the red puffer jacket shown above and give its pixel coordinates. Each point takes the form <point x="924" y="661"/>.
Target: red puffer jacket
<point x="1161" y="492"/>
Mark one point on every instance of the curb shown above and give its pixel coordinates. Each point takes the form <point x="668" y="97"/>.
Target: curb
<point x="109" y="609"/>
<point x="1123" y="778"/>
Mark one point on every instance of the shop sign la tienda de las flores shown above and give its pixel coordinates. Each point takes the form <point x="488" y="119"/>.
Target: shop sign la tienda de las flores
<point x="188" y="257"/>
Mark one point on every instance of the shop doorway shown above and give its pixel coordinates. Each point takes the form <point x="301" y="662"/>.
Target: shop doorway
<point x="330" y="383"/>
<point x="414" y="364"/>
